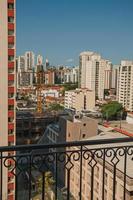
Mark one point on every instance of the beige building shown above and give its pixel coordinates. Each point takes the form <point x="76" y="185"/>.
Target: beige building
<point x="69" y="129"/>
<point x="97" y="164"/>
<point x="7" y="87"/>
<point x="94" y="73"/>
<point x="80" y="99"/>
<point x="125" y="84"/>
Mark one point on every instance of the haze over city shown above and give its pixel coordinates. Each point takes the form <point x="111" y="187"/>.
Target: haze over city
<point x="61" y="29"/>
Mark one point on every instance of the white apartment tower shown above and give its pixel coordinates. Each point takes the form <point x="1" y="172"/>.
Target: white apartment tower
<point x="125" y="84"/>
<point x="21" y="64"/>
<point x="39" y="60"/>
<point x="92" y="68"/>
<point x="29" y="60"/>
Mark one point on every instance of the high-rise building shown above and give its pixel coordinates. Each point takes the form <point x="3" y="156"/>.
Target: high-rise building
<point x="21" y="64"/>
<point x="46" y="63"/>
<point x="114" y="78"/>
<point x="39" y="60"/>
<point x="25" y="68"/>
<point x="108" y="76"/>
<point x="29" y="60"/>
<point x="125" y="83"/>
<point x="7" y="87"/>
<point x="92" y="68"/>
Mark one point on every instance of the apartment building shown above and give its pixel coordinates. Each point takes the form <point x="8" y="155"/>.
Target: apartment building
<point x="125" y="82"/>
<point x="114" y="77"/>
<point x="69" y="128"/>
<point x="25" y="65"/>
<point x="96" y="165"/>
<point x="71" y="75"/>
<point x="39" y="60"/>
<point x="80" y="99"/>
<point x="94" y="73"/>
<point x="108" y="76"/>
<point x="7" y="87"/>
<point x="49" y="77"/>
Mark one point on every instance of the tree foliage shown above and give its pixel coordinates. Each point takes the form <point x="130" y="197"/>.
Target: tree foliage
<point x="55" y="107"/>
<point x="111" y="110"/>
<point x="69" y="86"/>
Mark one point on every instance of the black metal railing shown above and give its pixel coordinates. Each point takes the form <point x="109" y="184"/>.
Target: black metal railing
<point x="93" y="169"/>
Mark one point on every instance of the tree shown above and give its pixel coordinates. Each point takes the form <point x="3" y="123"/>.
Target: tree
<point x="49" y="182"/>
<point x="69" y="86"/>
<point x="106" y="92"/>
<point x="111" y="110"/>
<point x="55" y="107"/>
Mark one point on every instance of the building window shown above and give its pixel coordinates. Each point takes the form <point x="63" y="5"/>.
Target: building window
<point x="10" y="6"/>
<point x="10" y="58"/>
<point x="10" y="19"/>
<point x="10" y="46"/>
<point x="106" y="177"/>
<point x="10" y="32"/>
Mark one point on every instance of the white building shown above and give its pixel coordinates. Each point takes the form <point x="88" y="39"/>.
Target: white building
<point x="21" y="64"/>
<point x="108" y="76"/>
<point x="125" y="84"/>
<point x="25" y="66"/>
<point x="80" y="99"/>
<point x="29" y="60"/>
<point x="92" y="74"/>
<point x="39" y="60"/>
<point x="114" y="77"/>
<point x="71" y="74"/>
<point x="51" y="93"/>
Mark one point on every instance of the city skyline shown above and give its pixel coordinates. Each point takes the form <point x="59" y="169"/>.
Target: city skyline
<point x="60" y="30"/>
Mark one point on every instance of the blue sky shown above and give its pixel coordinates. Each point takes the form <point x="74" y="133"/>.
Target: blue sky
<point x="61" y="29"/>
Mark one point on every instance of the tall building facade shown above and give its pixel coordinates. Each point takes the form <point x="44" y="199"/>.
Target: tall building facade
<point x="39" y="60"/>
<point x="92" y="68"/>
<point x="25" y="68"/>
<point x="125" y="84"/>
<point x="7" y="87"/>
<point x="29" y="60"/>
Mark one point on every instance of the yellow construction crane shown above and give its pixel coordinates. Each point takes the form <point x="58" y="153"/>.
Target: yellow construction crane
<point x="39" y="86"/>
<point x="40" y="80"/>
<point x="39" y="90"/>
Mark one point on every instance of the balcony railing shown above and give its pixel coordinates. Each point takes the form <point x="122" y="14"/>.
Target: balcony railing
<point x="92" y="169"/>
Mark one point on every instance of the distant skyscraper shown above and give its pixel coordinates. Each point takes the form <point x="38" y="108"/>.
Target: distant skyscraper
<point x="125" y="84"/>
<point x="7" y="88"/>
<point x="114" y="78"/>
<point x="47" y="63"/>
<point x="108" y="76"/>
<point x="92" y="74"/>
<point x="21" y="64"/>
<point x="29" y="60"/>
<point x="39" y="60"/>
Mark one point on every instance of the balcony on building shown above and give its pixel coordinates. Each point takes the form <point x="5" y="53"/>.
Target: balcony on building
<point x="88" y="169"/>
<point x="10" y="26"/>
<point x="11" y="12"/>
<point x="10" y="65"/>
<point x="10" y="39"/>
<point x="10" y="113"/>
<point x="10" y="77"/>
<point x="11" y="1"/>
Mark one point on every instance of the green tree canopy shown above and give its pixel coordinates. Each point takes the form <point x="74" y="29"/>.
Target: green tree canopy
<point x="111" y="110"/>
<point x="55" y="107"/>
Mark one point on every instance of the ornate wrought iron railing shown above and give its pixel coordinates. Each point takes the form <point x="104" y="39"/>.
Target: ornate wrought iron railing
<point x="93" y="169"/>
